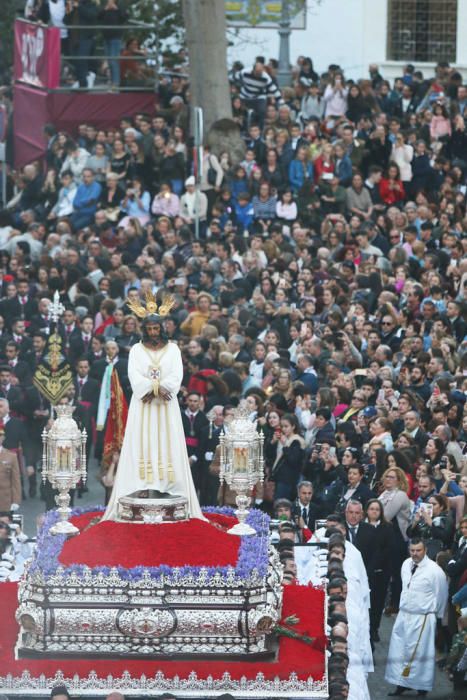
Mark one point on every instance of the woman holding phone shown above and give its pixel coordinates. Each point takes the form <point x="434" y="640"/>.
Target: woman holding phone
<point x="433" y="524"/>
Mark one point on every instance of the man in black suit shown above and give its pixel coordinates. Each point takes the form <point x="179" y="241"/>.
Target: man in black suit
<point x="19" y="368"/>
<point x="37" y="411"/>
<point x="209" y="440"/>
<point x="412" y="426"/>
<point x="84" y="414"/>
<point x="235" y="345"/>
<point x="36" y="355"/>
<point x="194" y="420"/>
<point x="68" y="329"/>
<point x="20" y="305"/>
<point x="97" y="349"/>
<point x="80" y="343"/>
<point x="15" y="433"/>
<point x="13" y="394"/>
<point x="4" y="335"/>
<point x="19" y="336"/>
<point x="359" y="533"/>
<point x="307" y="511"/>
<point x="41" y="321"/>
<point x="87" y="392"/>
<point x="87" y="388"/>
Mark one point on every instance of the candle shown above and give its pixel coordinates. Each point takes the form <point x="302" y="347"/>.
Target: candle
<point x="240" y="459"/>
<point x="64" y="458"/>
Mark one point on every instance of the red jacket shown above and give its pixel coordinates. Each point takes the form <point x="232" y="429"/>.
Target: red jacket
<point x="197" y="381"/>
<point x="320" y="167"/>
<point x="391" y="196"/>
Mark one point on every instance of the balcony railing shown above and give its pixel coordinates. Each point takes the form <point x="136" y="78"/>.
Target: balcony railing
<point x="146" y="78"/>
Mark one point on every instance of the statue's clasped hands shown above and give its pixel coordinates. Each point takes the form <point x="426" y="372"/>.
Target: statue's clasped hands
<point x="163" y="394"/>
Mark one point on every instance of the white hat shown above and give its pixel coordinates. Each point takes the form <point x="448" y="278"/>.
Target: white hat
<point x="190" y="181"/>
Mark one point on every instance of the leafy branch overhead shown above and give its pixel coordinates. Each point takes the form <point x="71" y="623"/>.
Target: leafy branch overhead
<point x="166" y="15"/>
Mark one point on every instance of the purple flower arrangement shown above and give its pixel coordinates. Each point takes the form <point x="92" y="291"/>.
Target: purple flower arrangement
<point x="252" y="555"/>
<point x="48" y="547"/>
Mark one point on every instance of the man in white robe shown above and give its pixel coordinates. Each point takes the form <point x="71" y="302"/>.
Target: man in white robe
<point x="411" y="658"/>
<point x="154" y="454"/>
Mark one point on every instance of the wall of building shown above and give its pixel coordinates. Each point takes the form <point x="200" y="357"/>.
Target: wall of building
<point x="351" y="33"/>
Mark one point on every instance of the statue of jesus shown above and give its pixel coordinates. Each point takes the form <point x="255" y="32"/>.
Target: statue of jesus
<point x="154" y="454"/>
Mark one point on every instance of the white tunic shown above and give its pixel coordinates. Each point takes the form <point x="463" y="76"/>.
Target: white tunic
<point x="424" y="597"/>
<point x="357" y="605"/>
<point x="154" y="454"/>
<point x="312" y="565"/>
<point x="356" y="678"/>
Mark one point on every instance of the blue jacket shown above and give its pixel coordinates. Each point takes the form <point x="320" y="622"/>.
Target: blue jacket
<point x="344" y="171"/>
<point x="297" y="174"/>
<point x="310" y="380"/>
<point x="461" y="597"/>
<point x="244" y="214"/>
<point x="238" y="186"/>
<point x="87" y="197"/>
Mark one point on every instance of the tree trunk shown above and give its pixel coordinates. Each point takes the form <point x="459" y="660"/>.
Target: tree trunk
<point x="207" y="49"/>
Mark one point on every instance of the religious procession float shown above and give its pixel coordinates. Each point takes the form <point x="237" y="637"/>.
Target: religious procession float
<point x="161" y="596"/>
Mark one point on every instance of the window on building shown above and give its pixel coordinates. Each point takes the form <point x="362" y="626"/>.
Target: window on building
<point x="422" y="30"/>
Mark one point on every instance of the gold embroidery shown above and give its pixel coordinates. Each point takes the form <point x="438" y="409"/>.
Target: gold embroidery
<point x="159" y="454"/>
<point x="141" y="455"/>
<point x="170" y="468"/>
<point x="150" y="476"/>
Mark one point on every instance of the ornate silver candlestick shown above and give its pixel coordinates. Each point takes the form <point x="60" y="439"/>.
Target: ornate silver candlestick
<point x="242" y="464"/>
<point x="64" y="463"/>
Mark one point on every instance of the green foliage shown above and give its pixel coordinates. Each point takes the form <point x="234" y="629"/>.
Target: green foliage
<point x="8" y="13"/>
<point x="167" y="18"/>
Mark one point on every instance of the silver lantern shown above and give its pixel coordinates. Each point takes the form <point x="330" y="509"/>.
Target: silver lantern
<point x="241" y="463"/>
<point x="64" y="463"/>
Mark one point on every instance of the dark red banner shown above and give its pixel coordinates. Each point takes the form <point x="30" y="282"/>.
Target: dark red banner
<point x="37" y="55"/>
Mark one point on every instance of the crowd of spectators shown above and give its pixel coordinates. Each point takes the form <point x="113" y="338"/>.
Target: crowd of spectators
<point x="322" y="277"/>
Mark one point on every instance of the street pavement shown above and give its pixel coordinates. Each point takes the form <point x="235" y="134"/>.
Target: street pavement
<point x="378" y="687"/>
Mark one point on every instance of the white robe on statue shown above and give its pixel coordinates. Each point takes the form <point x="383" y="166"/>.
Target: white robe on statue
<point x="424" y="597"/>
<point x="154" y="454"/>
